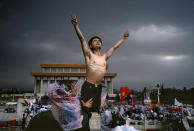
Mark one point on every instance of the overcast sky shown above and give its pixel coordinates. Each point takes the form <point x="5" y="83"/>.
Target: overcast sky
<point x="160" y="47"/>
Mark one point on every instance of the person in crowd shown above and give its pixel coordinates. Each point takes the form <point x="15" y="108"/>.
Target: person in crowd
<point x="65" y="113"/>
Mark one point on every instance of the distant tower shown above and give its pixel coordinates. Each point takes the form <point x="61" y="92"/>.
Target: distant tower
<point x="146" y="95"/>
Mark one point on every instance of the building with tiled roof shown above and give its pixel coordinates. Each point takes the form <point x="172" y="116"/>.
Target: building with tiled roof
<point x="51" y="73"/>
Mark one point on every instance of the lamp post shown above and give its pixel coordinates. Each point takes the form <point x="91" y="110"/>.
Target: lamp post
<point x="158" y="86"/>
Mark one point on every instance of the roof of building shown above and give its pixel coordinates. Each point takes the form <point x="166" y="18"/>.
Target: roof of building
<point x="67" y="74"/>
<point x="64" y="65"/>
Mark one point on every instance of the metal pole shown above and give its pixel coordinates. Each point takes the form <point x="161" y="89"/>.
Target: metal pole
<point x="158" y="96"/>
<point x="158" y="86"/>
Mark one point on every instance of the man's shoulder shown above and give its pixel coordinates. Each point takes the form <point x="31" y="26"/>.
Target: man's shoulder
<point x="43" y="121"/>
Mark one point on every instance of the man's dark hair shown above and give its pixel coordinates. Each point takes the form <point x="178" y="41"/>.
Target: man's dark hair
<point x="91" y="39"/>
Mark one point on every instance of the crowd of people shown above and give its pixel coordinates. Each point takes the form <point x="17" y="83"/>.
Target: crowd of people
<point x="114" y="115"/>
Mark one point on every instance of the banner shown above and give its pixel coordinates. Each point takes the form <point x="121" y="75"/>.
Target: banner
<point x="177" y="103"/>
<point x="133" y="103"/>
<point x="150" y="106"/>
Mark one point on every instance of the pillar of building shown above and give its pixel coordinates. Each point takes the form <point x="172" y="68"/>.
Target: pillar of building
<point x="110" y="87"/>
<point x="35" y="86"/>
<point x="41" y="86"/>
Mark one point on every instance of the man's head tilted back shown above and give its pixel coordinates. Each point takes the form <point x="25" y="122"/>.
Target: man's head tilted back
<point x="95" y="42"/>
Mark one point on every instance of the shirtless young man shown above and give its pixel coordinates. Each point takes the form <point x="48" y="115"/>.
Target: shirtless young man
<point x="95" y="66"/>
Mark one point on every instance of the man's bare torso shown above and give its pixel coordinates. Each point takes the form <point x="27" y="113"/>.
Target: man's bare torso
<point x="95" y="63"/>
<point x="95" y="68"/>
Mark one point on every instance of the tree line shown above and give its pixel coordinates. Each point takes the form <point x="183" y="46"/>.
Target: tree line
<point x="167" y="95"/>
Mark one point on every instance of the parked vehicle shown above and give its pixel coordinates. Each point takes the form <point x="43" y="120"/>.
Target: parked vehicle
<point x="9" y="110"/>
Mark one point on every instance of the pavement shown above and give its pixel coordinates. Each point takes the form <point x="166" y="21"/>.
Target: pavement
<point x="17" y="128"/>
<point x="8" y="116"/>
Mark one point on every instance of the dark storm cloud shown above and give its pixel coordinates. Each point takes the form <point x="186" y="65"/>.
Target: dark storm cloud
<point x="160" y="48"/>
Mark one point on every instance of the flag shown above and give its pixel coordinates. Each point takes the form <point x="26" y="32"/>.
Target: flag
<point x="159" y="104"/>
<point x="133" y="103"/>
<point x="150" y="106"/>
<point x="124" y="92"/>
<point x="26" y="103"/>
<point x="177" y="103"/>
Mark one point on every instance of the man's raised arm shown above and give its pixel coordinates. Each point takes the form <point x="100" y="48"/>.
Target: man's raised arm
<point x="80" y="36"/>
<point x="115" y="46"/>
